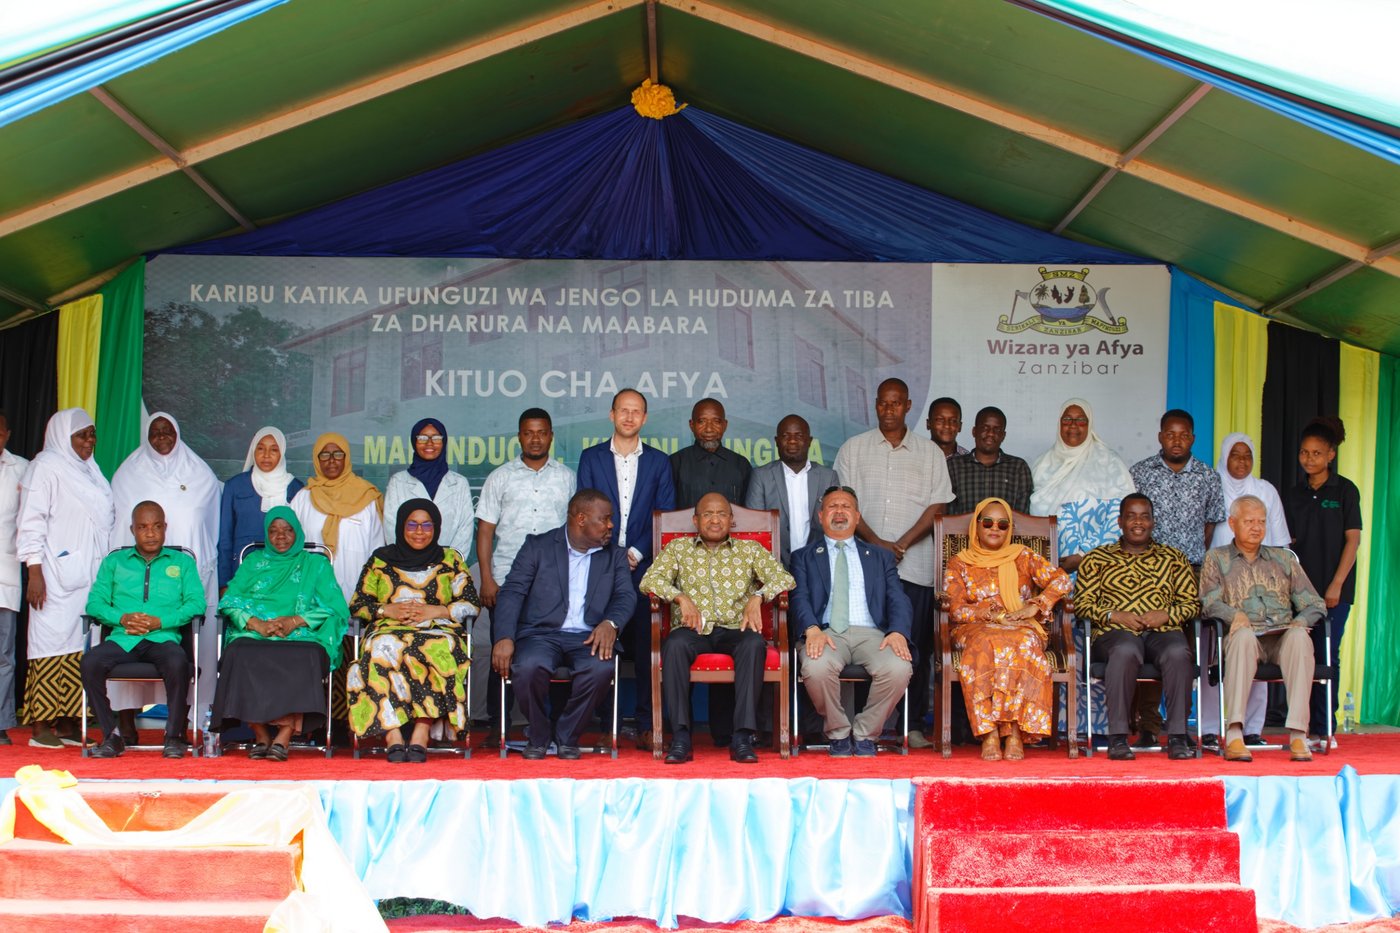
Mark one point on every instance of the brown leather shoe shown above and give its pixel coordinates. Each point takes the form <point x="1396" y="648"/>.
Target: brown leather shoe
<point x="1235" y="750"/>
<point x="1298" y="749"/>
<point x="644" y="741"/>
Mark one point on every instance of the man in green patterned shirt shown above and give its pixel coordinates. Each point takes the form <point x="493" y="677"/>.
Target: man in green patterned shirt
<point x="717" y="586"/>
<point x="1139" y="594"/>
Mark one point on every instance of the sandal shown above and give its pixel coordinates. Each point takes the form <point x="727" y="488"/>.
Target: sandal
<point x="277" y="752"/>
<point x="416" y="754"/>
<point x="397" y="755"/>
<point x="258" y="751"/>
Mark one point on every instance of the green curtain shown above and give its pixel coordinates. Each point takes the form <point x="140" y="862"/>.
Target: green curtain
<point x="118" y="412"/>
<point x="1380" y="703"/>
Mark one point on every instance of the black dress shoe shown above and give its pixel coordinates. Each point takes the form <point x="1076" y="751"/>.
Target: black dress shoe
<point x="679" y="752"/>
<point x="1119" y="750"/>
<point x="1210" y="740"/>
<point x="1147" y="740"/>
<point x="1180" y="747"/>
<point x="111" y="747"/>
<point x="535" y="752"/>
<point x="569" y="753"/>
<point x="741" y="749"/>
<point x="5" y="738"/>
<point x="1253" y="738"/>
<point x="174" y="748"/>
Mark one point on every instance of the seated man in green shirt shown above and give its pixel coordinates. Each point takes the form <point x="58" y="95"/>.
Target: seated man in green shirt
<point x="718" y="585"/>
<point x="145" y="594"/>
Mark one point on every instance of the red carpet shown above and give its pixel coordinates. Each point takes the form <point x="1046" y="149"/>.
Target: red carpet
<point x="1369" y="754"/>
<point x="1095" y="854"/>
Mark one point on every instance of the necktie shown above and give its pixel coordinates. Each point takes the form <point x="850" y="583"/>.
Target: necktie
<point x="840" y="592"/>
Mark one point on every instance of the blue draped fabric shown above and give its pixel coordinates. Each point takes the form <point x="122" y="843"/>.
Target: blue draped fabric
<point x="1319" y="850"/>
<point x="1191" y="356"/>
<point x="541" y="851"/>
<point x="691" y="186"/>
<point x="77" y="79"/>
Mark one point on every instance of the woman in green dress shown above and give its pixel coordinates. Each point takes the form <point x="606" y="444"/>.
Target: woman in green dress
<point x="412" y="670"/>
<point x="285" y="619"/>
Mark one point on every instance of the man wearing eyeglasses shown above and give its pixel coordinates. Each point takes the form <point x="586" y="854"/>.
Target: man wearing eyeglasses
<point x="850" y="608"/>
<point x="1189" y="503"/>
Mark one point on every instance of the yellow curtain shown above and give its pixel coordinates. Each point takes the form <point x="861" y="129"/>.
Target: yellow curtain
<point x="79" y="342"/>
<point x="1359" y="387"/>
<point x="1241" y="357"/>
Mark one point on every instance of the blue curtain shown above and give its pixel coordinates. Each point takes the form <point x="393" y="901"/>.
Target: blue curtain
<point x="691" y="186"/>
<point x="1191" y="356"/>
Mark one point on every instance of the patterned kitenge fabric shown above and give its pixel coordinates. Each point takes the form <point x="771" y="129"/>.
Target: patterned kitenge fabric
<point x="1112" y="579"/>
<point x="1005" y="674"/>
<point x="409" y="671"/>
<point x="53" y="688"/>
<point x="719" y="580"/>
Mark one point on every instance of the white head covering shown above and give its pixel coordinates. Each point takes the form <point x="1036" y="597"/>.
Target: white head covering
<point x="180" y="481"/>
<point x="1276" y="533"/>
<point x="89" y="485"/>
<point x="272" y="486"/>
<point x="1070" y="474"/>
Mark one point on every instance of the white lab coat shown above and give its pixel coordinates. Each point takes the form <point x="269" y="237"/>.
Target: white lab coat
<point x="453" y="499"/>
<point x="360" y="535"/>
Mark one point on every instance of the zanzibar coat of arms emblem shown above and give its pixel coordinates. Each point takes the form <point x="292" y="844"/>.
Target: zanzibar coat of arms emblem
<point x="1062" y="303"/>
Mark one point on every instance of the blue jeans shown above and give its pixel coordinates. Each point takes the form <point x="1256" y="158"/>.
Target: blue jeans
<point x="1321" y="720"/>
<point x="8" y="621"/>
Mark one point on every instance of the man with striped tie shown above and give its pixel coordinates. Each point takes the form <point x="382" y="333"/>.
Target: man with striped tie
<point x="851" y="608"/>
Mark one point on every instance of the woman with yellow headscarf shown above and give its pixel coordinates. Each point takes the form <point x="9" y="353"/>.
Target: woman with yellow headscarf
<point x="340" y="510"/>
<point x="999" y="596"/>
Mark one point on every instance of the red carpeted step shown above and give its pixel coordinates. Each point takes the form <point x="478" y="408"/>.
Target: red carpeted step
<point x="50" y="916"/>
<point x="1180" y="908"/>
<point x="1051" y="805"/>
<point x="1012" y="859"/>
<point x="32" y="869"/>
<point x="129" y="808"/>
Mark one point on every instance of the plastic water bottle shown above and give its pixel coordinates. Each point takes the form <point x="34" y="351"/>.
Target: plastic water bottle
<point x="211" y="738"/>
<point x="1349" y="714"/>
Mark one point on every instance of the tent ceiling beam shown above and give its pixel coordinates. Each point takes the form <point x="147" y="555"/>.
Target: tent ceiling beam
<point x="25" y="301"/>
<point x="449" y="61"/>
<point x="1341" y="272"/>
<point x="1132" y="153"/>
<point x="164" y="148"/>
<point x="652" y="60"/>
<point x="1026" y="126"/>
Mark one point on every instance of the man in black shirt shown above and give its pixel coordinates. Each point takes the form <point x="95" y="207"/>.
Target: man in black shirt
<point x="707" y="465"/>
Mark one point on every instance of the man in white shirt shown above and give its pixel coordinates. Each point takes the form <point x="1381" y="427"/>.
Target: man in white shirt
<point x="902" y="483"/>
<point x="526" y="496"/>
<point x="12" y="468"/>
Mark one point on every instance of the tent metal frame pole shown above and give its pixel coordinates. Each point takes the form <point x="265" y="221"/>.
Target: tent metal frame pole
<point x="170" y="152"/>
<point x="1133" y="151"/>
<point x="653" y="59"/>
<point x="1331" y="278"/>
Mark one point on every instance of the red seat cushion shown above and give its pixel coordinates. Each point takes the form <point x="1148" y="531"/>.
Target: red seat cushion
<point x="723" y="662"/>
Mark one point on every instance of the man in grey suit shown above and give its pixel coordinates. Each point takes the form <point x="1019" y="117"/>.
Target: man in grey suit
<point x="793" y="485"/>
<point x="792" y="480"/>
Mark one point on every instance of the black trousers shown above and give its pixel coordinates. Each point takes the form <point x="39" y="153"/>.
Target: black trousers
<point x="919" y="691"/>
<point x="637" y="638"/>
<point x="168" y="658"/>
<point x="680" y="649"/>
<point x="534" y="663"/>
<point x="1124" y="653"/>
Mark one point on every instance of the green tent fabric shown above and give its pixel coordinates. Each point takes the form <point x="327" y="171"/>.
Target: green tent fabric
<point x="1380" y="702"/>
<point x="119" y="367"/>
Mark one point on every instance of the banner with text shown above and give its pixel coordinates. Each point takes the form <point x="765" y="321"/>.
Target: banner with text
<point x="366" y="347"/>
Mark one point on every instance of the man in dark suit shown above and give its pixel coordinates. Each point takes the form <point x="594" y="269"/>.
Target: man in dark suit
<point x="636" y="479"/>
<point x="791" y="480"/>
<point x="565" y="599"/>
<point x="851" y="609"/>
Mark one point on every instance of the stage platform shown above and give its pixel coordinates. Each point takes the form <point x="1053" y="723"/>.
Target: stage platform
<point x="543" y="842"/>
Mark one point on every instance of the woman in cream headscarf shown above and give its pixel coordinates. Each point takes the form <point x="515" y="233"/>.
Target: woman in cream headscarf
<point x="264" y="484"/>
<point x="1236" y="466"/>
<point x="341" y="510"/>
<point x="165" y="470"/>
<point x="63" y="532"/>
<point x="999" y="596"/>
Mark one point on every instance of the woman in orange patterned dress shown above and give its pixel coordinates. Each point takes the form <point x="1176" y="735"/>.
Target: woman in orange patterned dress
<point x="999" y="596"/>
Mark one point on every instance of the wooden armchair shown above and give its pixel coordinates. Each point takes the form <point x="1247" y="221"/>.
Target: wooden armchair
<point x="1036" y="532"/>
<point x="756" y="525"/>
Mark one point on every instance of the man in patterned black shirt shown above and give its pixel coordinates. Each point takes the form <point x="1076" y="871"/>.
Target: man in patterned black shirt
<point x="988" y="471"/>
<point x="1138" y="594"/>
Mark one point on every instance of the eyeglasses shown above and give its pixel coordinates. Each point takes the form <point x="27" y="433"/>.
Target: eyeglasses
<point x="418" y="526"/>
<point x="428" y="439"/>
<point x="1002" y="523"/>
<point x="325" y="455"/>
<point x="1070" y="422"/>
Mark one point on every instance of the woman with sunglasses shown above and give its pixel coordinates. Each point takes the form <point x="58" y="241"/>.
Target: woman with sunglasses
<point x="419" y="598"/>
<point x="429" y="477"/>
<point x="341" y="510"/>
<point x="999" y="596"/>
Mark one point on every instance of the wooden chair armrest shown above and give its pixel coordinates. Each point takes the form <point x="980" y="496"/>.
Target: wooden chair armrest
<point x="780" y="628"/>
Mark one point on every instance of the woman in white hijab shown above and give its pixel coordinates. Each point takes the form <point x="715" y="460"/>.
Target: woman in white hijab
<point x="63" y="532"/>
<point x="265" y="482"/>
<point x="1081" y="481"/>
<point x="1236" y="467"/>
<point x="165" y="470"/>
